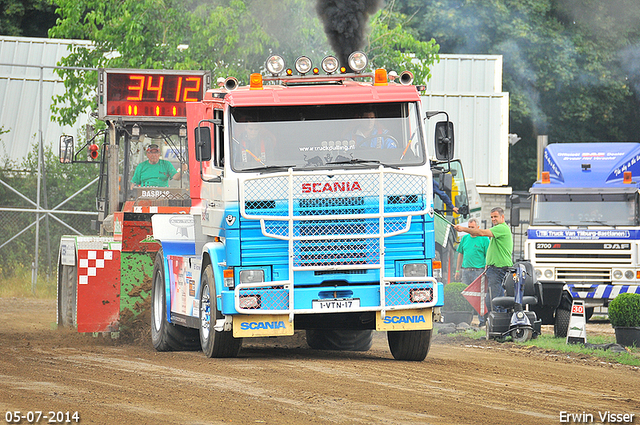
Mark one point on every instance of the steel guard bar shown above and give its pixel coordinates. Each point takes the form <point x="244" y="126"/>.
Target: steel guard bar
<point x="335" y="221"/>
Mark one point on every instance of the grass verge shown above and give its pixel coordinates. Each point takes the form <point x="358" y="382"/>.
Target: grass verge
<point x="19" y="285"/>
<point x="548" y="342"/>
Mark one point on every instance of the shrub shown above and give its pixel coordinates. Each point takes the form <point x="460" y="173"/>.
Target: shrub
<point x="454" y="300"/>
<point x="624" y="310"/>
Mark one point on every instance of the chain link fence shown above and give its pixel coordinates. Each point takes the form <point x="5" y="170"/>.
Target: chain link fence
<point x="34" y="216"/>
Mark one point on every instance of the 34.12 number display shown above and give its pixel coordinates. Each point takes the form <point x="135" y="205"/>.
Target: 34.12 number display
<point x="144" y="94"/>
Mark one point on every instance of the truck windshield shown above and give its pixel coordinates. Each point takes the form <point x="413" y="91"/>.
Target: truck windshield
<point x="326" y="136"/>
<point x="614" y="209"/>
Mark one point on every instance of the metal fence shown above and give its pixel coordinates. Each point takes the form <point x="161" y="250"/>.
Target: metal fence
<point x="30" y="223"/>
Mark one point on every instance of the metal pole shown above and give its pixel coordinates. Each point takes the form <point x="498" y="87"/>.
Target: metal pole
<point x="113" y="169"/>
<point x="34" y="273"/>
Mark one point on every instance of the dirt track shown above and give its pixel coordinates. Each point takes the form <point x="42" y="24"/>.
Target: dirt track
<point x="283" y="382"/>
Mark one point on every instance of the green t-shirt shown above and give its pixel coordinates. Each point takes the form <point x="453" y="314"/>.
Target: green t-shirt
<point x="500" y="247"/>
<point x="157" y="174"/>
<point x="473" y="250"/>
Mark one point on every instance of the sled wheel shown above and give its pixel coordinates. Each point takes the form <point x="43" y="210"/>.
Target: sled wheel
<point x="67" y="296"/>
<point x="339" y="339"/>
<point x="521" y="334"/>
<point x="214" y="343"/>
<point x="409" y="345"/>
<point x="561" y="324"/>
<point x="166" y="336"/>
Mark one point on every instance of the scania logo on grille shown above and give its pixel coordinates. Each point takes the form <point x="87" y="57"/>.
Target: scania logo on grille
<point x="331" y="187"/>
<point x="617" y="246"/>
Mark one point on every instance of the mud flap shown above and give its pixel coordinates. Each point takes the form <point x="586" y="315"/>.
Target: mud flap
<point x="249" y="325"/>
<point x="405" y="320"/>
<point x="98" y="290"/>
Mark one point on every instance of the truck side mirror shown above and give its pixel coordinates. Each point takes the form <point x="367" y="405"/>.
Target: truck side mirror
<point x="203" y="143"/>
<point x="65" y="149"/>
<point x="447" y="182"/>
<point x="515" y="217"/>
<point x="444" y="141"/>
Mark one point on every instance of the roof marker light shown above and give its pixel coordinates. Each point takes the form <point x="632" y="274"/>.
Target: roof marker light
<point x="546" y="178"/>
<point x="627" y="179"/>
<point x="380" y="78"/>
<point x="255" y="81"/>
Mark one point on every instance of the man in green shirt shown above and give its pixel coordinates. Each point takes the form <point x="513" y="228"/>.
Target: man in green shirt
<point x="499" y="252"/>
<point x="472" y="255"/>
<point x="154" y="171"/>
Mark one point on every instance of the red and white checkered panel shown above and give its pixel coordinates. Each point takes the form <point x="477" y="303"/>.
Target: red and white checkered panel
<point x="98" y="290"/>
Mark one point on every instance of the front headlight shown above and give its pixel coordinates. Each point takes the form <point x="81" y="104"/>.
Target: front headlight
<point x="628" y="274"/>
<point x="538" y="273"/>
<point x="414" y="270"/>
<point x="617" y="274"/>
<point x="548" y="274"/>
<point x="251" y="276"/>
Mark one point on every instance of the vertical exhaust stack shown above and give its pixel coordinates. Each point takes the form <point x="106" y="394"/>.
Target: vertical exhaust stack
<point x="345" y="23"/>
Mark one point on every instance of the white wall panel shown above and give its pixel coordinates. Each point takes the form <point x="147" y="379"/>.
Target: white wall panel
<point x="22" y="113"/>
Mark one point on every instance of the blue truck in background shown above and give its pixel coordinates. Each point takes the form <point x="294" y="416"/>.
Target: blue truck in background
<point x="584" y="235"/>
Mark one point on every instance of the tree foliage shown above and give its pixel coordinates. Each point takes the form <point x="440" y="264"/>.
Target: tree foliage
<point x="392" y="45"/>
<point x="227" y="37"/>
<point x="27" y="18"/>
<point x="567" y="65"/>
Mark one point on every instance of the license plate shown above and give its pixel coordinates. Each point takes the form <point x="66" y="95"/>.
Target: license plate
<point x="336" y="305"/>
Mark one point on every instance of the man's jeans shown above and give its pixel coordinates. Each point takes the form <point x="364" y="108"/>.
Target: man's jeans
<point x="495" y="275"/>
<point x="470" y="274"/>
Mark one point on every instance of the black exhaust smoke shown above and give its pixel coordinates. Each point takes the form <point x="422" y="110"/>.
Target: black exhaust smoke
<point x="345" y="22"/>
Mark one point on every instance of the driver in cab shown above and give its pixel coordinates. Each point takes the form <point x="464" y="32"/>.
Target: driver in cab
<point x="370" y="135"/>
<point x="155" y="171"/>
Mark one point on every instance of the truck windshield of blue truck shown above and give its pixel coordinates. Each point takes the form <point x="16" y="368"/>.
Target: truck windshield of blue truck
<point x="606" y="209"/>
<point x="326" y="136"/>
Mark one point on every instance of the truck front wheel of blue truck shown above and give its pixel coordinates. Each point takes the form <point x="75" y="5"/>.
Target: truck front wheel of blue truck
<point x="214" y="343"/>
<point x="409" y="345"/>
<point x="166" y="336"/>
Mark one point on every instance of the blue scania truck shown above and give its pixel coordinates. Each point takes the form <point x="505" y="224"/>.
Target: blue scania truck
<point x="584" y="234"/>
<point x="295" y="223"/>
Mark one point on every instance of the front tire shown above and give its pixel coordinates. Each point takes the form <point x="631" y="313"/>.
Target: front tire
<point x="214" y="344"/>
<point x="166" y="336"/>
<point x="521" y="335"/>
<point x="409" y="345"/>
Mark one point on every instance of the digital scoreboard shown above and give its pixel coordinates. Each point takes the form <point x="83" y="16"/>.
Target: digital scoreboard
<point x="149" y="94"/>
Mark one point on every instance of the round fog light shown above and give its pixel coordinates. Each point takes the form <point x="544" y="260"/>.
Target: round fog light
<point x="275" y="64"/>
<point x="303" y="65"/>
<point x="358" y="61"/>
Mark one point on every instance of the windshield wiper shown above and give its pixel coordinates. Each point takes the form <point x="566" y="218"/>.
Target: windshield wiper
<point x="363" y="161"/>
<point x="557" y="223"/>
<point x="270" y="168"/>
